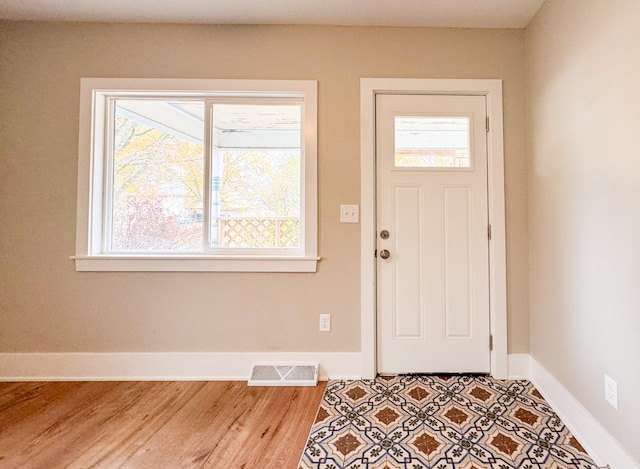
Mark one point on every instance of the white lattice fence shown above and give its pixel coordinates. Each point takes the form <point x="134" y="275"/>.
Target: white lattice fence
<point x="259" y="232"/>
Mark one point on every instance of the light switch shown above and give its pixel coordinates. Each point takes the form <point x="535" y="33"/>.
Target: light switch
<point x="349" y="213"/>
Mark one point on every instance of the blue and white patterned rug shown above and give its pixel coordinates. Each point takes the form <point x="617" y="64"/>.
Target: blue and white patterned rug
<point x="439" y="422"/>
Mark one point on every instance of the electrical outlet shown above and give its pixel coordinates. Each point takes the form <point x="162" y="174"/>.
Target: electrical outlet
<point x="611" y="391"/>
<point x="349" y="213"/>
<point x="325" y="323"/>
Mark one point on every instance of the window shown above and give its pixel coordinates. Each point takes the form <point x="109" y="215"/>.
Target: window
<point x="197" y="175"/>
<point x="432" y="142"/>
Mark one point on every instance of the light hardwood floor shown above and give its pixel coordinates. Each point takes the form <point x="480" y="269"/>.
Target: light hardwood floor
<point x="154" y="424"/>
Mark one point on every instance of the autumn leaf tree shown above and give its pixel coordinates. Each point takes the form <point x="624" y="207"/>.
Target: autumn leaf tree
<point x="157" y="189"/>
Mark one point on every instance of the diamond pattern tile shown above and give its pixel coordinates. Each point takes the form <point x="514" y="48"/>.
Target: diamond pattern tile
<point x="439" y="422"/>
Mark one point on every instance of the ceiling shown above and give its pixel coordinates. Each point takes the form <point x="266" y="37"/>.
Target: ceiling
<point x="430" y="13"/>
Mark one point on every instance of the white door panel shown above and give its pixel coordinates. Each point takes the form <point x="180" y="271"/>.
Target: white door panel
<point x="433" y="289"/>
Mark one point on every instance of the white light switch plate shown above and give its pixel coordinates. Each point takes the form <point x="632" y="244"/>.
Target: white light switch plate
<point x="349" y="213"/>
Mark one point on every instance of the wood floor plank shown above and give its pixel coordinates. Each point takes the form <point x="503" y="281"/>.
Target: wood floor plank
<point x="154" y="424"/>
<point x="132" y="426"/>
<point x="32" y="426"/>
<point x="277" y="426"/>
<point x="204" y="418"/>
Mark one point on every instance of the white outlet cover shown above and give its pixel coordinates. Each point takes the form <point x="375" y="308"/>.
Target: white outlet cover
<point x="325" y="323"/>
<point x="611" y="391"/>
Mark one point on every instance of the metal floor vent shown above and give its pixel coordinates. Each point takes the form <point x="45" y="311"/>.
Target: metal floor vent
<point x="284" y="375"/>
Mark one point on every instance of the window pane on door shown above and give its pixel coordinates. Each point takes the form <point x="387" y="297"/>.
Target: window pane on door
<point x="256" y="176"/>
<point x="432" y="142"/>
<point x="157" y="174"/>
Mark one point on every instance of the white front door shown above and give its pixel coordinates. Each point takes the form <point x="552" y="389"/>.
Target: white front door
<point x="432" y="234"/>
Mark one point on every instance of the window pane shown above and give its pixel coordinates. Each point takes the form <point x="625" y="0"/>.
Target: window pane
<point x="158" y="167"/>
<point x="256" y="178"/>
<point x="432" y="142"/>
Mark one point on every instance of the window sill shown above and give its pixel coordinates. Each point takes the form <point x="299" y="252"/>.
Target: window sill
<point x="194" y="264"/>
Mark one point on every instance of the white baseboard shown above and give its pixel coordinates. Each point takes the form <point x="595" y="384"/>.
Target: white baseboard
<point x="164" y="366"/>
<point x="593" y="437"/>
<point x="519" y="367"/>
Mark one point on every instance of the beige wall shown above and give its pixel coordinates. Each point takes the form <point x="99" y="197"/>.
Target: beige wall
<point x="583" y="72"/>
<point x="47" y="306"/>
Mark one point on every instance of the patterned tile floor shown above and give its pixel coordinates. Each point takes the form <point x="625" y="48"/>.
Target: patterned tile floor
<point x="439" y="422"/>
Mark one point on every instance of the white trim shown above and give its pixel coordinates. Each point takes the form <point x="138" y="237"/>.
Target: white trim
<point x="492" y="89"/>
<point x="94" y="96"/>
<point x="519" y="367"/>
<point x="212" y="366"/>
<point x="193" y="264"/>
<point x="594" y="438"/>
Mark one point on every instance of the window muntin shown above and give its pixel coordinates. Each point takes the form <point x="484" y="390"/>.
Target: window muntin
<point x="100" y="243"/>
<point x="432" y="142"/>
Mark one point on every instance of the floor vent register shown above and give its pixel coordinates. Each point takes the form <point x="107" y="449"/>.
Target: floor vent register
<point x="284" y="375"/>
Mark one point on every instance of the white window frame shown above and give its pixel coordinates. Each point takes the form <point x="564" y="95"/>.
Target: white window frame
<point x="94" y="96"/>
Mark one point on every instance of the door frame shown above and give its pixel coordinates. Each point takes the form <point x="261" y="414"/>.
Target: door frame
<point x="492" y="89"/>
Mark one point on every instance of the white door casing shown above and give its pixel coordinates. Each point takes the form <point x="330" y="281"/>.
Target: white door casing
<point x="491" y="89"/>
<point x="433" y="270"/>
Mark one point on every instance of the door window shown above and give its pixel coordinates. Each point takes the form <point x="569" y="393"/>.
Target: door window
<point x="432" y="142"/>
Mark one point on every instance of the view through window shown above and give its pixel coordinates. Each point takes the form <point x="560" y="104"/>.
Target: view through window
<point x="158" y="176"/>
